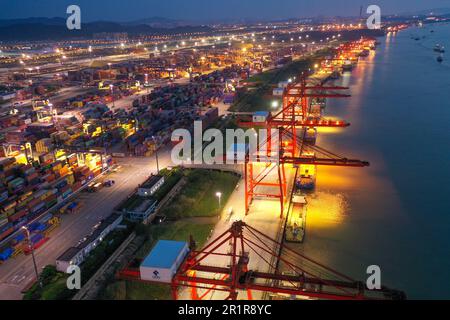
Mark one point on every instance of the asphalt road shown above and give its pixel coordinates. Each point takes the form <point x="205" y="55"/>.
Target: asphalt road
<point x="17" y="273"/>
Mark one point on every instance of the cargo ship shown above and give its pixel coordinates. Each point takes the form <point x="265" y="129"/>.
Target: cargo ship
<point x="306" y="179"/>
<point x="310" y="136"/>
<point x="364" y="53"/>
<point x="296" y="220"/>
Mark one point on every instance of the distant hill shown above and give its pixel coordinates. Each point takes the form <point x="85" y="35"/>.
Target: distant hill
<point x="55" y="29"/>
<point x="435" y="11"/>
<point x="38" y="20"/>
<point x="160" y="22"/>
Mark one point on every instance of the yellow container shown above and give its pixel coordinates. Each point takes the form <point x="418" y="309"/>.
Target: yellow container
<point x="70" y="179"/>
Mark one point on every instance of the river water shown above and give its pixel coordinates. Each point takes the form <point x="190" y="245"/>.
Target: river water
<point x="396" y="213"/>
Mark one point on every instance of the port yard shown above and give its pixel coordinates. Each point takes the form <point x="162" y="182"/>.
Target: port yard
<point x="125" y="122"/>
<point x="256" y="216"/>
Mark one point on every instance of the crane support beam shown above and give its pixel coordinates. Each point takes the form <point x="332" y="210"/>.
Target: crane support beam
<point x="298" y="123"/>
<point x="326" y="161"/>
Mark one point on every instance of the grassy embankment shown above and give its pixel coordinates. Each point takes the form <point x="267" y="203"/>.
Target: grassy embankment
<point x="196" y="200"/>
<point x="259" y="96"/>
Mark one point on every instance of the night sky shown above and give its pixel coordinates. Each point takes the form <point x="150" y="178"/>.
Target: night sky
<point x="206" y="10"/>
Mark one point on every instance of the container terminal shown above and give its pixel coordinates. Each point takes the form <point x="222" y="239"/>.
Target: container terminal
<point x="94" y="121"/>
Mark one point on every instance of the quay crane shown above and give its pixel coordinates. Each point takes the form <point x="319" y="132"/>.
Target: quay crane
<point x="290" y="123"/>
<point x="309" y="278"/>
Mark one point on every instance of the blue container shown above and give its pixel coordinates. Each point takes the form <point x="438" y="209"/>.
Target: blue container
<point x="42" y="227"/>
<point x="6" y="254"/>
<point x="36" y="238"/>
<point x="19" y="238"/>
<point x="33" y="226"/>
<point x="47" y="217"/>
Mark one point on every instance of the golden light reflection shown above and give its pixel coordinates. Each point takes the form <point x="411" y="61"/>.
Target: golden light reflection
<point x="326" y="210"/>
<point x="337" y="178"/>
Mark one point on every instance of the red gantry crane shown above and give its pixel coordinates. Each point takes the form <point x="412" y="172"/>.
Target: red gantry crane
<point x="290" y="123"/>
<point x="301" y="276"/>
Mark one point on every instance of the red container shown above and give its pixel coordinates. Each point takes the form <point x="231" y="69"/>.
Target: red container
<point x="19" y="214"/>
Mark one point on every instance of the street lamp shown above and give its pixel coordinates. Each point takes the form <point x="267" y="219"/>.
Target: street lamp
<point x="274" y="104"/>
<point x="219" y="196"/>
<point x="111" y="86"/>
<point x="156" y="154"/>
<point x="27" y="232"/>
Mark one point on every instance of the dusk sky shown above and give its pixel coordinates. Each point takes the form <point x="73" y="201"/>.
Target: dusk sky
<point x="204" y="10"/>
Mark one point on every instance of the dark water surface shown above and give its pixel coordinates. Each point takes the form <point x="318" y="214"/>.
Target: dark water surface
<point x="396" y="213"/>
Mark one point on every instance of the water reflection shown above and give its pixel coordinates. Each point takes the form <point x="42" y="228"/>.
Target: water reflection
<point x="326" y="210"/>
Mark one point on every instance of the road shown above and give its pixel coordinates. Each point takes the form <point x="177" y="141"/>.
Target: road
<point x="17" y="273"/>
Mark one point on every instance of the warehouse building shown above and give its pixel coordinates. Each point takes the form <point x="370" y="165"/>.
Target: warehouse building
<point x="150" y="186"/>
<point x="163" y="261"/>
<point x="76" y="255"/>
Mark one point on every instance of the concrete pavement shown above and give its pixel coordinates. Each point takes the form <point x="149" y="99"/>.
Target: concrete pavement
<point x="17" y="273"/>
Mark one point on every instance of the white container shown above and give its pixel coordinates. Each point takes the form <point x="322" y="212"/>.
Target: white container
<point x="278" y="92"/>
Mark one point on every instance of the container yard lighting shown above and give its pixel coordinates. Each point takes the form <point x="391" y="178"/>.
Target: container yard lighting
<point x="275" y="104"/>
<point x="112" y="94"/>
<point x="219" y="196"/>
<point x="30" y="244"/>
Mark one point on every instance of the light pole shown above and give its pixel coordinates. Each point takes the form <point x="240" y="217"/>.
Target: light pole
<point x="219" y="196"/>
<point x="156" y="154"/>
<point x="27" y="232"/>
<point x="112" y="95"/>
